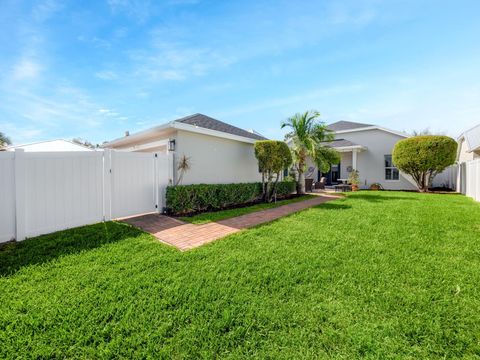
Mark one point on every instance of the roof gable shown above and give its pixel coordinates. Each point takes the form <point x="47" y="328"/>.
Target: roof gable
<point x="341" y="127"/>
<point x="207" y="122"/>
<point x="346" y="125"/>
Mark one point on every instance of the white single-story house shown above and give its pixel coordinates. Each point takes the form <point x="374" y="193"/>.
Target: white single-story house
<point x="368" y="149"/>
<point x="49" y="146"/>
<point x="218" y="152"/>
<point x="469" y="145"/>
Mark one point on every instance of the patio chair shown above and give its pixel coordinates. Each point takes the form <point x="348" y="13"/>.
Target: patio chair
<point x="308" y="185"/>
<point x="320" y="185"/>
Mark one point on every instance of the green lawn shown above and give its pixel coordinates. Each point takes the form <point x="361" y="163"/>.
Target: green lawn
<point x="225" y="214"/>
<point x="376" y="275"/>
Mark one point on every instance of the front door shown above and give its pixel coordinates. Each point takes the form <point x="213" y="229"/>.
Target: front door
<point x="335" y="170"/>
<point x="333" y="175"/>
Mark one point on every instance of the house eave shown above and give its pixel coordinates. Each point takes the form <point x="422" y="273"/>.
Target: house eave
<point x="174" y="125"/>
<point x="205" y="131"/>
<point x="350" y="148"/>
<point x="139" y="136"/>
<point x="398" y="133"/>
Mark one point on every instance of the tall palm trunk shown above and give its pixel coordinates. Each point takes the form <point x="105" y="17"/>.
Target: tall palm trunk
<point x="301" y="172"/>
<point x="301" y="182"/>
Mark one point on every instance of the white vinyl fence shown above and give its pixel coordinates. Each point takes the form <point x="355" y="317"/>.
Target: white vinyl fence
<point x="447" y="178"/>
<point x="42" y="192"/>
<point x="470" y="179"/>
<point x="463" y="178"/>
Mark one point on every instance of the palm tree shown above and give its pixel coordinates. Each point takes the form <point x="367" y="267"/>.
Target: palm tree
<point x="308" y="138"/>
<point x="4" y="140"/>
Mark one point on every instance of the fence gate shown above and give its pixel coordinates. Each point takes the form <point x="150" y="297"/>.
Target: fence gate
<point x="132" y="182"/>
<point x="42" y="192"/>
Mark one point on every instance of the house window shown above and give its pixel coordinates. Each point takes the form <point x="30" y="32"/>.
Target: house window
<point x="391" y="172"/>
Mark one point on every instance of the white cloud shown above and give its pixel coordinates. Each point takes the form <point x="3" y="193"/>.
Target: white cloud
<point x="106" y="75"/>
<point x="21" y="135"/>
<point x="59" y="109"/>
<point x="301" y="100"/>
<point x="26" y="69"/>
<point x="176" y="61"/>
<point x="139" y="10"/>
<point x="45" y="9"/>
<point x="341" y="14"/>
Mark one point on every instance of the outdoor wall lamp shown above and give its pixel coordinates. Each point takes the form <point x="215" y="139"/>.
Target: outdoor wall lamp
<point x="171" y="145"/>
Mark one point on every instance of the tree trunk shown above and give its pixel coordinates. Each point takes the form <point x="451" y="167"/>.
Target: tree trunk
<point x="274" y="188"/>
<point x="301" y="182"/>
<point x="264" y="187"/>
<point x="424" y="183"/>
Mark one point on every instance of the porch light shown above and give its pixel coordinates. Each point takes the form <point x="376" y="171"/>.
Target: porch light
<point x="171" y="145"/>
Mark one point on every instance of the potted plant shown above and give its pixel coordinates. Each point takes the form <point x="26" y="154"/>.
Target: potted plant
<point x="376" y="186"/>
<point x="354" y="180"/>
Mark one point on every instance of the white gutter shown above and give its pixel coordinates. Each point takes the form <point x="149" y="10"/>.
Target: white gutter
<point x="349" y="148"/>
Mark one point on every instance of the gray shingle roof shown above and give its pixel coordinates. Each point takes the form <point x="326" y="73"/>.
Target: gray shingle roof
<point x="207" y="122"/>
<point x="346" y="125"/>
<point x="337" y="143"/>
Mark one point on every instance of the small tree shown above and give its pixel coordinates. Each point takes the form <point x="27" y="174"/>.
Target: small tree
<point x="273" y="157"/>
<point x="309" y="138"/>
<point x="4" y="141"/>
<point x="83" y="142"/>
<point x="423" y="157"/>
<point x="354" y="178"/>
<point x="182" y="167"/>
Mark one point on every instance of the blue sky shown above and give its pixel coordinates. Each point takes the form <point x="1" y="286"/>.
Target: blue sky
<point x="94" y="69"/>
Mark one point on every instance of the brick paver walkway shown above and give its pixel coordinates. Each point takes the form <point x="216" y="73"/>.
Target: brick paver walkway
<point x="186" y="236"/>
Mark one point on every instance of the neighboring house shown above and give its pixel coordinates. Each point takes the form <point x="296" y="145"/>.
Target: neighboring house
<point x="368" y="149"/>
<point x="217" y="152"/>
<point x="469" y="145"/>
<point x="50" y="145"/>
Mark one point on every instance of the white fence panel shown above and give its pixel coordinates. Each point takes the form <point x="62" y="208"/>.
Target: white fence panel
<point x="164" y="170"/>
<point x="472" y="177"/>
<point x="43" y="192"/>
<point x="7" y="196"/>
<point x="447" y="178"/>
<point x="62" y="190"/>
<point x="132" y="183"/>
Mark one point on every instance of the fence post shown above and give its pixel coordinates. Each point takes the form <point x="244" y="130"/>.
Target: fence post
<point x="107" y="184"/>
<point x="157" y="193"/>
<point x="20" y="196"/>
<point x="477" y="180"/>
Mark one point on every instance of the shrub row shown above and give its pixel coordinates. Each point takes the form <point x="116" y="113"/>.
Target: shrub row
<point x="285" y="188"/>
<point x="186" y="199"/>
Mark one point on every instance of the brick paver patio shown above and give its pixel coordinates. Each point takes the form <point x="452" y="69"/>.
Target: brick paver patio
<point x="186" y="236"/>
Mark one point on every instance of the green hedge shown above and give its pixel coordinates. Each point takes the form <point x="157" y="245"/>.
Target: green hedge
<point x="285" y="188"/>
<point x="185" y="199"/>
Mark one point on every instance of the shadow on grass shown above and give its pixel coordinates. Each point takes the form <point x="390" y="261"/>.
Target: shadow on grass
<point x="379" y="197"/>
<point x="333" y="206"/>
<point x="42" y="249"/>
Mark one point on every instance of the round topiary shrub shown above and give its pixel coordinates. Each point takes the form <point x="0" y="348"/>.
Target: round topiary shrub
<point x="423" y="157"/>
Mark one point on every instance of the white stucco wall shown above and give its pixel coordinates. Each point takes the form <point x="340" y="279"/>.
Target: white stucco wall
<point x="216" y="160"/>
<point x="463" y="153"/>
<point x="370" y="162"/>
<point x="345" y="162"/>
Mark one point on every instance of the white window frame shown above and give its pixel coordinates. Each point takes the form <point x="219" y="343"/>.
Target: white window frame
<point x="391" y="168"/>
